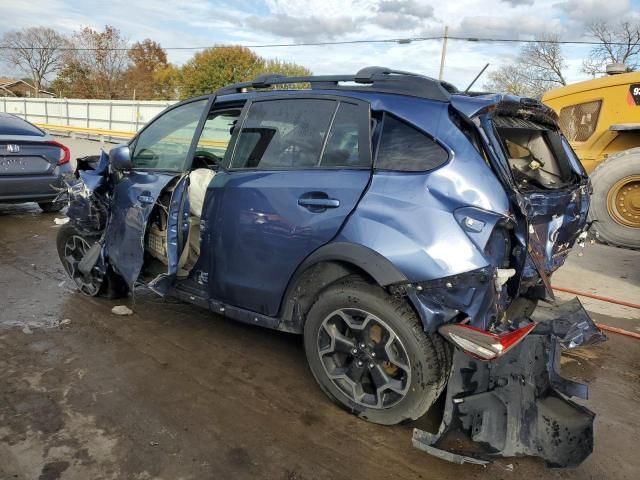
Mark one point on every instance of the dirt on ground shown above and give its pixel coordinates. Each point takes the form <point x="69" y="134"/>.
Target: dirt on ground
<point x="176" y="392"/>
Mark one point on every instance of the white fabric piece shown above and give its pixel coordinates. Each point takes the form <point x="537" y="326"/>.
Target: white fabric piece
<point x="200" y="179"/>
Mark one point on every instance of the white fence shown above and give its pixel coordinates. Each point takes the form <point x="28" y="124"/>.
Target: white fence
<point x="119" y="115"/>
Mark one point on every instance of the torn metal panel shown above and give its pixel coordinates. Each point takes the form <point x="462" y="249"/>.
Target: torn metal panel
<point x="89" y="197"/>
<point x="134" y="197"/>
<point x="518" y="404"/>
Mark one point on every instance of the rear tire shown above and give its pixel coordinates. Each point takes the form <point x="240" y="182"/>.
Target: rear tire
<point x="71" y="245"/>
<point x="51" y="207"/>
<point x="615" y="203"/>
<point x="369" y="353"/>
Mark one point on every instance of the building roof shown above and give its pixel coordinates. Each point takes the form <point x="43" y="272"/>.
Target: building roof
<point x="6" y="83"/>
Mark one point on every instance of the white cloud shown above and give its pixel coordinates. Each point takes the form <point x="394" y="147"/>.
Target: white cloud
<point x="178" y="23"/>
<point x="517" y="3"/>
<point x="402" y="14"/>
<point x="305" y="29"/>
<point x="595" y="10"/>
<point x="512" y="26"/>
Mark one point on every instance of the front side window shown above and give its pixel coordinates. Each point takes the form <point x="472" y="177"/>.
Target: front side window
<point x="407" y="149"/>
<point x="214" y="139"/>
<point x="283" y="134"/>
<point x="578" y="122"/>
<point x="165" y="143"/>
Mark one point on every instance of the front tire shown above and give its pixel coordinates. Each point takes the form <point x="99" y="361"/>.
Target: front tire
<point x="72" y="245"/>
<point x="368" y="352"/>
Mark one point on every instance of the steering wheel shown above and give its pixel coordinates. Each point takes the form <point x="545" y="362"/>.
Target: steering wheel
<point x="211" y="159"/>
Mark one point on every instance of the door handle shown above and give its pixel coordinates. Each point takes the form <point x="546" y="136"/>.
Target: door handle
<point x="319" y="202"/>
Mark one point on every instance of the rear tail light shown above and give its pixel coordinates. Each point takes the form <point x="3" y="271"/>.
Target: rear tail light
<point x="482" y="344"/>
<point x="65" y="153"/>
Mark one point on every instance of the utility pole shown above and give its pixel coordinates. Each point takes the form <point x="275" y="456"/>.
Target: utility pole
<point x="444" y="51"/>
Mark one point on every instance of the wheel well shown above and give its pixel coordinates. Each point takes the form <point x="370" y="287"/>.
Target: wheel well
<point x="306" y="286"/>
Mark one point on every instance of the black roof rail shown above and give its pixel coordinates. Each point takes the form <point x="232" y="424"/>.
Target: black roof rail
<point x="369" y="79"/>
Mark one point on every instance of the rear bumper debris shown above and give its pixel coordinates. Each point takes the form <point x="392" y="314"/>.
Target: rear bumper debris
<point x="519" y="404"/>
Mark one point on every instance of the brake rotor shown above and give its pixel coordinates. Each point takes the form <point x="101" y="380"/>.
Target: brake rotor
<point x="376" y="337"/>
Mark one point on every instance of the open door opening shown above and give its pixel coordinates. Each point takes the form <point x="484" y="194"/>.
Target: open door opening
<point x="180" y="255"/>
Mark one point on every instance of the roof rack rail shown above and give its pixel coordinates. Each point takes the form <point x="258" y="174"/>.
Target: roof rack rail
<point x="370" y="79"/>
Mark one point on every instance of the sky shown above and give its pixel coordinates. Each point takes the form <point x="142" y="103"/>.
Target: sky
<point x="195" y="23"/>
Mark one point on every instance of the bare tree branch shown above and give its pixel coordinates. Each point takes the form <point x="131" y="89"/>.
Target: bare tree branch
<point x="538" y="67"/>
<point x="95" y="68"/>
<point x="36" y="51"/>
<point x="544" y="60"/>
<point x="619" y="44"/>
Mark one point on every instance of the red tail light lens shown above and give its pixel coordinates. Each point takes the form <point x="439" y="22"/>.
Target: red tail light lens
<point x="65" y="153"/>
<point x="482" y="344"/>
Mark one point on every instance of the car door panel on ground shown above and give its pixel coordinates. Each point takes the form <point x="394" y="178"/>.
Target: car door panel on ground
<point x="281" y="197"/>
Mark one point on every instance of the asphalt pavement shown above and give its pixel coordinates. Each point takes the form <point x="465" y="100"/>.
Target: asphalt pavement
<point x="176" y="392"/>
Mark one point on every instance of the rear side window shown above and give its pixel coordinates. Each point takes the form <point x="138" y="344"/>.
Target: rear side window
<point x="407" y="149"/>
<point x="303" y="133"/>
<point x="283" y="134"/>
<point x="578" y="122"/>
<point x="347" y="143"/>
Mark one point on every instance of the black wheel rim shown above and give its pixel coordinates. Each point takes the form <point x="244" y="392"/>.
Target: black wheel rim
<point x="364" y="358"/>
<point x="75" y="249"/>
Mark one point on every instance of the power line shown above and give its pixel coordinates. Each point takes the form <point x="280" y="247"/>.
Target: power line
<point x="400" y="41"/>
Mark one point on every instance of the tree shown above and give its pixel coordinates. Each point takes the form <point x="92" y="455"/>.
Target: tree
<point x="166" y="83"/>
<point x="285" y="68"/>
<point x="289" y="69"/>
<point x="36" y="51"/>
<point x="543" y="61"/>
<point x="538" y="67"/>
<point x="508" y="79"/>
<point x="216" y="67"/>
<point x="618" y="44"/>
<point x="147" y="59"/>
<point x="96" y="66"/>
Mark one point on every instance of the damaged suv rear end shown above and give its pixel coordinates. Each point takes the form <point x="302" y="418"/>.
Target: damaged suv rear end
<point x="505" y="390"/>
<point x="406" y="230"/>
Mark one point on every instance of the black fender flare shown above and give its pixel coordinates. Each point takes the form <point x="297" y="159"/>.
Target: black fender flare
<point x="342" y="256"/>
<point x="378" y="267"/>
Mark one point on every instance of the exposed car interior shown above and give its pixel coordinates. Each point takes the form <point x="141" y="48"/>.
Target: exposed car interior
<point x="207" y="158"/>
<point x="533" y="160"/>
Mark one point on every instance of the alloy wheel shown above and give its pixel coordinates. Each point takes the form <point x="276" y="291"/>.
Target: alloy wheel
<point x="364" y="357"/>
<point x="75" y="248"/>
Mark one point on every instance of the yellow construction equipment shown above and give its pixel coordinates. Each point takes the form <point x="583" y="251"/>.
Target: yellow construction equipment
<point x="601" y="120"/>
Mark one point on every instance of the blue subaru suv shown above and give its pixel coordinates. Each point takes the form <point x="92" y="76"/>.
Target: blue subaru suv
<point x="406" y="229"/>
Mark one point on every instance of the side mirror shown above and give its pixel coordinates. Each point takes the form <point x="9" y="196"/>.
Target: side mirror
<point x="120" y="158"/>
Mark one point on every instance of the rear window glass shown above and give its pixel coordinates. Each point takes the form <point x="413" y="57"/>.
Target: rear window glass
<point x="578" y="122"/>
<point x="10" y="125"/>
<point x="407" y="149"/>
